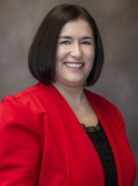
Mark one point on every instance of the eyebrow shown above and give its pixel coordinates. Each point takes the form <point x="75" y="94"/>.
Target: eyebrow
<point x="69" y="37"/>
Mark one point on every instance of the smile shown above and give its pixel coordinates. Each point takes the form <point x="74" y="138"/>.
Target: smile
<point x="74" y="65"/>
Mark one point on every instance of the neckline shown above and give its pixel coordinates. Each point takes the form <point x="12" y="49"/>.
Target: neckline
<point x="91" y="128"/>
<point x="63" y="101"/>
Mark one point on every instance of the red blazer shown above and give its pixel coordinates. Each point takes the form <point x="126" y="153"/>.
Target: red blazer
<point x="42" y="142"/>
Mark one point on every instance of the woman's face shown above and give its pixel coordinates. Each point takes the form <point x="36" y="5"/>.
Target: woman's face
<point x="75" y="53"/>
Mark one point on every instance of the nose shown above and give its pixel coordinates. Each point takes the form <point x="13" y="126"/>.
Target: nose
<point x="76" y="51"/>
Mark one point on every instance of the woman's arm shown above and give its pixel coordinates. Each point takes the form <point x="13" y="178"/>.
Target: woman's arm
<point x="19" y="145"/>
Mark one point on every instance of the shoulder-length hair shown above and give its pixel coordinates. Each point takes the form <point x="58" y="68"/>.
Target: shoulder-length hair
<point x="42" y="54"/>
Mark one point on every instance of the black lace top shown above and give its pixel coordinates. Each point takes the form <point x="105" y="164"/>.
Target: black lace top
<point x="99" y="139"/>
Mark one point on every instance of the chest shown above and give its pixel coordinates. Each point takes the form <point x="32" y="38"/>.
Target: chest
<point x="70" y="156"/>
<point x="85" y="115"/>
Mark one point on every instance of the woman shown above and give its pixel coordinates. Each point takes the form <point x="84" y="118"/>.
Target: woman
<point x="57" y="133"/>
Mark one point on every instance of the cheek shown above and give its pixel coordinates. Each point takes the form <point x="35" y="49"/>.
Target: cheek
<point x="61" y="52"/>
<point x="91" y="56"/>
<point x="90" y="60"/>
<point x="59" y="59"/>
<point x="89" y="51"/>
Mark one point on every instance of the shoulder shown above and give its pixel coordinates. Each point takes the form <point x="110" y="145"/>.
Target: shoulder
<point x="18" y="114"/>
<point x="99" y="100"/>
<point x="107" y="107"/>
<point x="23" y="104"/>
<point x="29" y="97"/>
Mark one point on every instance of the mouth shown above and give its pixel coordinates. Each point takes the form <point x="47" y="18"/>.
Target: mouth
<point x="75" y="65"/>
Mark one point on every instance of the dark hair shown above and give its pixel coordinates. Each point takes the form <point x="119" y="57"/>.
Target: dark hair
<point x="42" y="54"/>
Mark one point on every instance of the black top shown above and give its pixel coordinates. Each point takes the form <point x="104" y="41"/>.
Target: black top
<point x="99" y="139"/>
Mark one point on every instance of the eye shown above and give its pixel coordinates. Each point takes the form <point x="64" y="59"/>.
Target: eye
<point x="86" y="42"/>
<point x="65" y="42"/>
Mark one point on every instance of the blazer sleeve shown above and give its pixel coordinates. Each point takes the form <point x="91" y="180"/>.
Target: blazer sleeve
<point x="19" y="145"/>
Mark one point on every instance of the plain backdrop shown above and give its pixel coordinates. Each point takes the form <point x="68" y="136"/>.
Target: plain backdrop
<point x="118" y="24"/>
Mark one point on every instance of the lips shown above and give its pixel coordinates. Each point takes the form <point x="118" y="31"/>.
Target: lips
<point x="74" y="64"/>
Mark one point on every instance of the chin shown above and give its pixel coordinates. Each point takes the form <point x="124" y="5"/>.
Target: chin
<point x="75" y="83"/>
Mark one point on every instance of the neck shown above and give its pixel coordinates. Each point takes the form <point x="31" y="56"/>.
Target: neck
<point x="74" y="95"/>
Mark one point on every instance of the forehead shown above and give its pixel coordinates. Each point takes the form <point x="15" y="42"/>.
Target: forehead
<point x="77" y="27"/>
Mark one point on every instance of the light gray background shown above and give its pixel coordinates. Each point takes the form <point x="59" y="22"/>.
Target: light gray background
<point x="118" y="24"/>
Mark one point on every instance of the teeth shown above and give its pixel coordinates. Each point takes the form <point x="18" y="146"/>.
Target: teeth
<point x="74" y="65"/>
